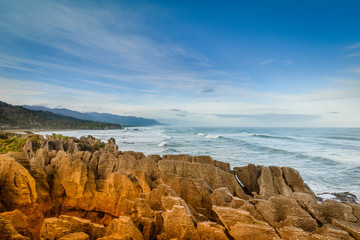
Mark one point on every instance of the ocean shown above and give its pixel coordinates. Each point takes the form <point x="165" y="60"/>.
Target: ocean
<point x="328" y="159"/>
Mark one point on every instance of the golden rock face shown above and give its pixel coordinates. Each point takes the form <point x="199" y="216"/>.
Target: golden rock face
<point x="94" y="191"/>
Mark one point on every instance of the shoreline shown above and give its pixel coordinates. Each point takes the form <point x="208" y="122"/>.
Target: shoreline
<point x="322" y="193"/>
<point x="82" y="181"/>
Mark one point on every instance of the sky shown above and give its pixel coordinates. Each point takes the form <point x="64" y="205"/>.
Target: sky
<point x="239" y="63"/>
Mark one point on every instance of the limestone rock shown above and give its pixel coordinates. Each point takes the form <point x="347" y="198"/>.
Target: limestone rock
<point x="279" y="182"/>
<point x="356" y="210"/>
<point x="211" y="231"/>
<point x="213" y="176"/>
<point x="266" y="184"/>
<point x="221" y="197"/>
<point x="125" y="228"/>
<point x="195" y="192"/>
<point x="352" y="228"/>
<point x="178" y="224"/>
<point x="157" y="194"/>
<point x="334" y="232"/>
<point x="248" y="176"/>
<point x="17" y="219"/>
<point x="75" y="236"/>
<point x="241" y="225"/>
<point x="295" y="181"/>
<point x="7" y="231"/>
<point x="17" y="186"/>
<point x="282" y="211"/>
<point x="72" y="175"/>
<point x="54" y="228"/>
<point x="333" y="209"/>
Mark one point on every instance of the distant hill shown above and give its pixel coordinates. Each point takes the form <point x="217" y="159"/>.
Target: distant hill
<point x="17" y="117"/>
<point x="128" y="121"/>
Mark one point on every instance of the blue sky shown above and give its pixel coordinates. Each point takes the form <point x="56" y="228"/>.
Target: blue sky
<point x="221" y="63"/>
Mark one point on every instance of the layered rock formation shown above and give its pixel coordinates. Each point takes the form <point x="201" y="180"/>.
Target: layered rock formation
<point x="66" y="188"/>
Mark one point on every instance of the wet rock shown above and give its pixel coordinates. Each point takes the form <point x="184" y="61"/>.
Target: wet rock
<point x="341" y="196"/>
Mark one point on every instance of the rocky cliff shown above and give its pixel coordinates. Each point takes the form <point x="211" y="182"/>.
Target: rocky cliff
<point x="67" y="188"/>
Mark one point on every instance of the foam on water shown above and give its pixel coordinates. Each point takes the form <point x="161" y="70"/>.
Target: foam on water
<point x="162" y="144"/>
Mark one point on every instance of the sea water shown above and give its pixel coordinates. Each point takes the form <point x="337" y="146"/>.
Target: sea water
<point x="328" y="159"/>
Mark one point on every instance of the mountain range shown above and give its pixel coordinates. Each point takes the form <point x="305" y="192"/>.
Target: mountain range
<point x="18" y="117"/>
<point x="125" y="121"/>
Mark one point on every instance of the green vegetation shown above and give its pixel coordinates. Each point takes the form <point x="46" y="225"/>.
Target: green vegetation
<point x="13" y="144"/>
<point x="62" y="137"/>
<point x="17" y="117"/>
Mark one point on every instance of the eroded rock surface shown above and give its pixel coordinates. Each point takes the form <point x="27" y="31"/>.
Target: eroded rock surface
<point x="68" y="188"/>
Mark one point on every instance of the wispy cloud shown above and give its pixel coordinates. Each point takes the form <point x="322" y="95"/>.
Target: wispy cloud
<point x="179" y="112"/>
<point x="357" y="54"/>
<point x="81" y="32"/>
<point x="350" y="82"/>
<point x="356" y="45"/>
<point x="271" y="116"/>
<point x="266" y="62"/>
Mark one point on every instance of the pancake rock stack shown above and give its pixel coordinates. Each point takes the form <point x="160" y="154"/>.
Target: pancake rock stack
<point x="68" y="188"/>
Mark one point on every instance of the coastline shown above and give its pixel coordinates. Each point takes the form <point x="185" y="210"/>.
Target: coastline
<point x="57" y="183"/>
